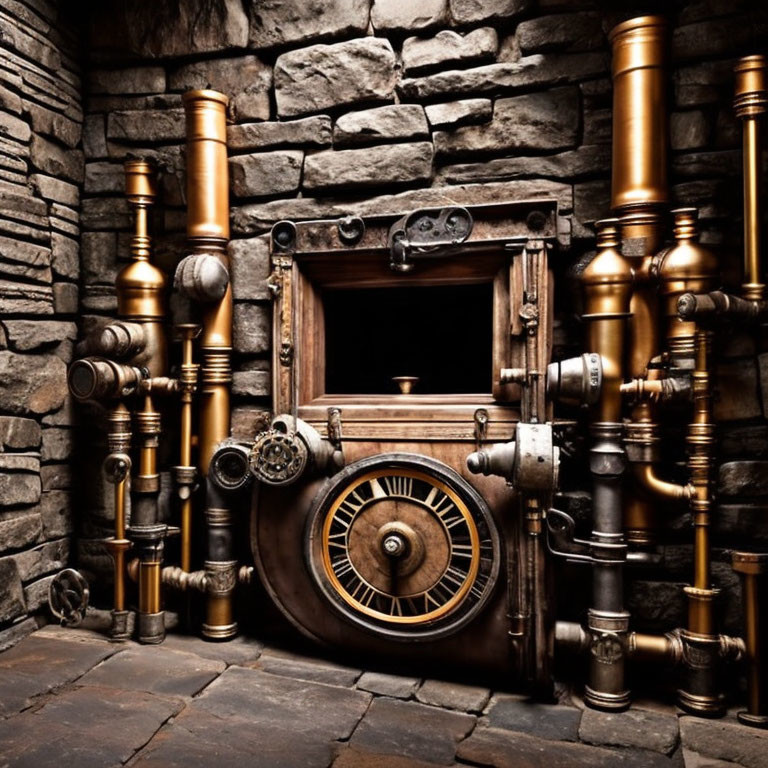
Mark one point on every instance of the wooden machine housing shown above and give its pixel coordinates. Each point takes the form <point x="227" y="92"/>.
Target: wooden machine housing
<point x="308" y="259"/>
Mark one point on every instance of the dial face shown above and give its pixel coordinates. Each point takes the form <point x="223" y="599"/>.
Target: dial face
<point x="403" y="547"/>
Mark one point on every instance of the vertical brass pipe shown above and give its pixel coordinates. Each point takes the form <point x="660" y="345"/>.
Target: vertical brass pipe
<point x="141" y="299"/>
<point x="204" y="276"/>
<point x="701" y="646"/>
<point x="750" y="103"/>
<point x="607" y="283"/>
<point x="639" y="195"/>
<point x="117" y="467"/>
<point x="208" y="233"/>
<point x="752" y="568"/>
<point x="186" y="473"/>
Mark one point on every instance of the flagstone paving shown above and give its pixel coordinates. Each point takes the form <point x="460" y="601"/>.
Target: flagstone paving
<point x="68" y="697"/>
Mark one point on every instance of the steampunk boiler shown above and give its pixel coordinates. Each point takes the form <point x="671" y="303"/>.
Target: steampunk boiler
<point x="400" y="499"/>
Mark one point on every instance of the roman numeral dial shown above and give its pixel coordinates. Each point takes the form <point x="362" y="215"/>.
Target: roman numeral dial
<point x="403" y="549"/>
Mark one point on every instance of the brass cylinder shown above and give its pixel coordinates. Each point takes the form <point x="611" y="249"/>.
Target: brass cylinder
<point x="750" y="102"/>
<point x="207" y="176"/>
<point x="639" y="174"/>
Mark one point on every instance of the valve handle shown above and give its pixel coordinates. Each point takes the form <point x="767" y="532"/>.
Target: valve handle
<point x="68" y="595"/>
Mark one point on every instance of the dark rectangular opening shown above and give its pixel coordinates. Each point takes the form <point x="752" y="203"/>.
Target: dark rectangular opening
<point x="441" y="334"/>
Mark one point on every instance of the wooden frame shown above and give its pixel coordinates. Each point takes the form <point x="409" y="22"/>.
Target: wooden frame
<point x="314" y="264"/>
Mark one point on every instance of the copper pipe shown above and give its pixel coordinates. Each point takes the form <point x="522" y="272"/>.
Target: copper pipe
<point x="750" y="102"/>
<point x="752" y="568"/>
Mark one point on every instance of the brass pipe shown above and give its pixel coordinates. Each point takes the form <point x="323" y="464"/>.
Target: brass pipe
<point x="204" y="276"/>
<point x="186" y="473"/>
<point x="750" y="102"/>
<point x="117" y="467"/>
<point x="141" y="300"/>
<point x="645" y="475"/>
<point x="665" y="649"/>
<point x="607" y="283"/>
<point x="639" y="194"/>
<point x="208" y="233"/>
<point x="701" y="444"/>
<point x="700" y="693"/>
<point x="752" y="568"/>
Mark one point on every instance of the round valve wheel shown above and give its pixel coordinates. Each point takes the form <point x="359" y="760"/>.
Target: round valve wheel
<point x="402" y="546"/>
<point x="278" y="458"/>
<point x="68" y="596"/>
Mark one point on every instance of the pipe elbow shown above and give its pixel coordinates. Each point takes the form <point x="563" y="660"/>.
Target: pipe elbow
<point x="646" y="476"/>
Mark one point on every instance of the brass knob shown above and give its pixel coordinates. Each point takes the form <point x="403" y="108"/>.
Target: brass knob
<point x="406" y="383"/>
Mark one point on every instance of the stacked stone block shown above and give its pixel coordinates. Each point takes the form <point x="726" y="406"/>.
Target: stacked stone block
<point x="377" y="106"/>
<point x="41" y="173"/>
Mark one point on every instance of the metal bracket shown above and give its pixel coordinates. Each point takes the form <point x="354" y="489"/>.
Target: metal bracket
<point x="334" y="427"/>
<point x="481" y="427"/>
<point x="561" y="538"/>
<point x="427" y="233"/>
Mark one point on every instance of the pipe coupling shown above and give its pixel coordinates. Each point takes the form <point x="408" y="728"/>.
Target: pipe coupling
<point x="606" y="456"/>
<point x="577" y="380"/>
<point x="607" y="654"/>
<point x="230" y="466"/>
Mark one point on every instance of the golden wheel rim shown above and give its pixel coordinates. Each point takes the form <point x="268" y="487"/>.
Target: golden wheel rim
<point x="440" y="503"/>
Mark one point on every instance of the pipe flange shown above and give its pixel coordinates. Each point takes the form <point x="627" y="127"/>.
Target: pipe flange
<point x="610" y="702"/>
<point x="151" y="628"/>
<point x="119" y="631"/>
<point x="230" y="466"/>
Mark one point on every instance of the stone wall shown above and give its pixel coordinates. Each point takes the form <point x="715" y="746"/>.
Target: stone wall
<point x="353" y="106"/>
<point x="41" y="172"/>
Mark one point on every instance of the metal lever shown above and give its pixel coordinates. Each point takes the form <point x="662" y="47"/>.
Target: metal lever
<point x="427" y="233"/>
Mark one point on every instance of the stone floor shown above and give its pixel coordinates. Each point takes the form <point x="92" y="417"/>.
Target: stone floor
<point x="70" y="698"/>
